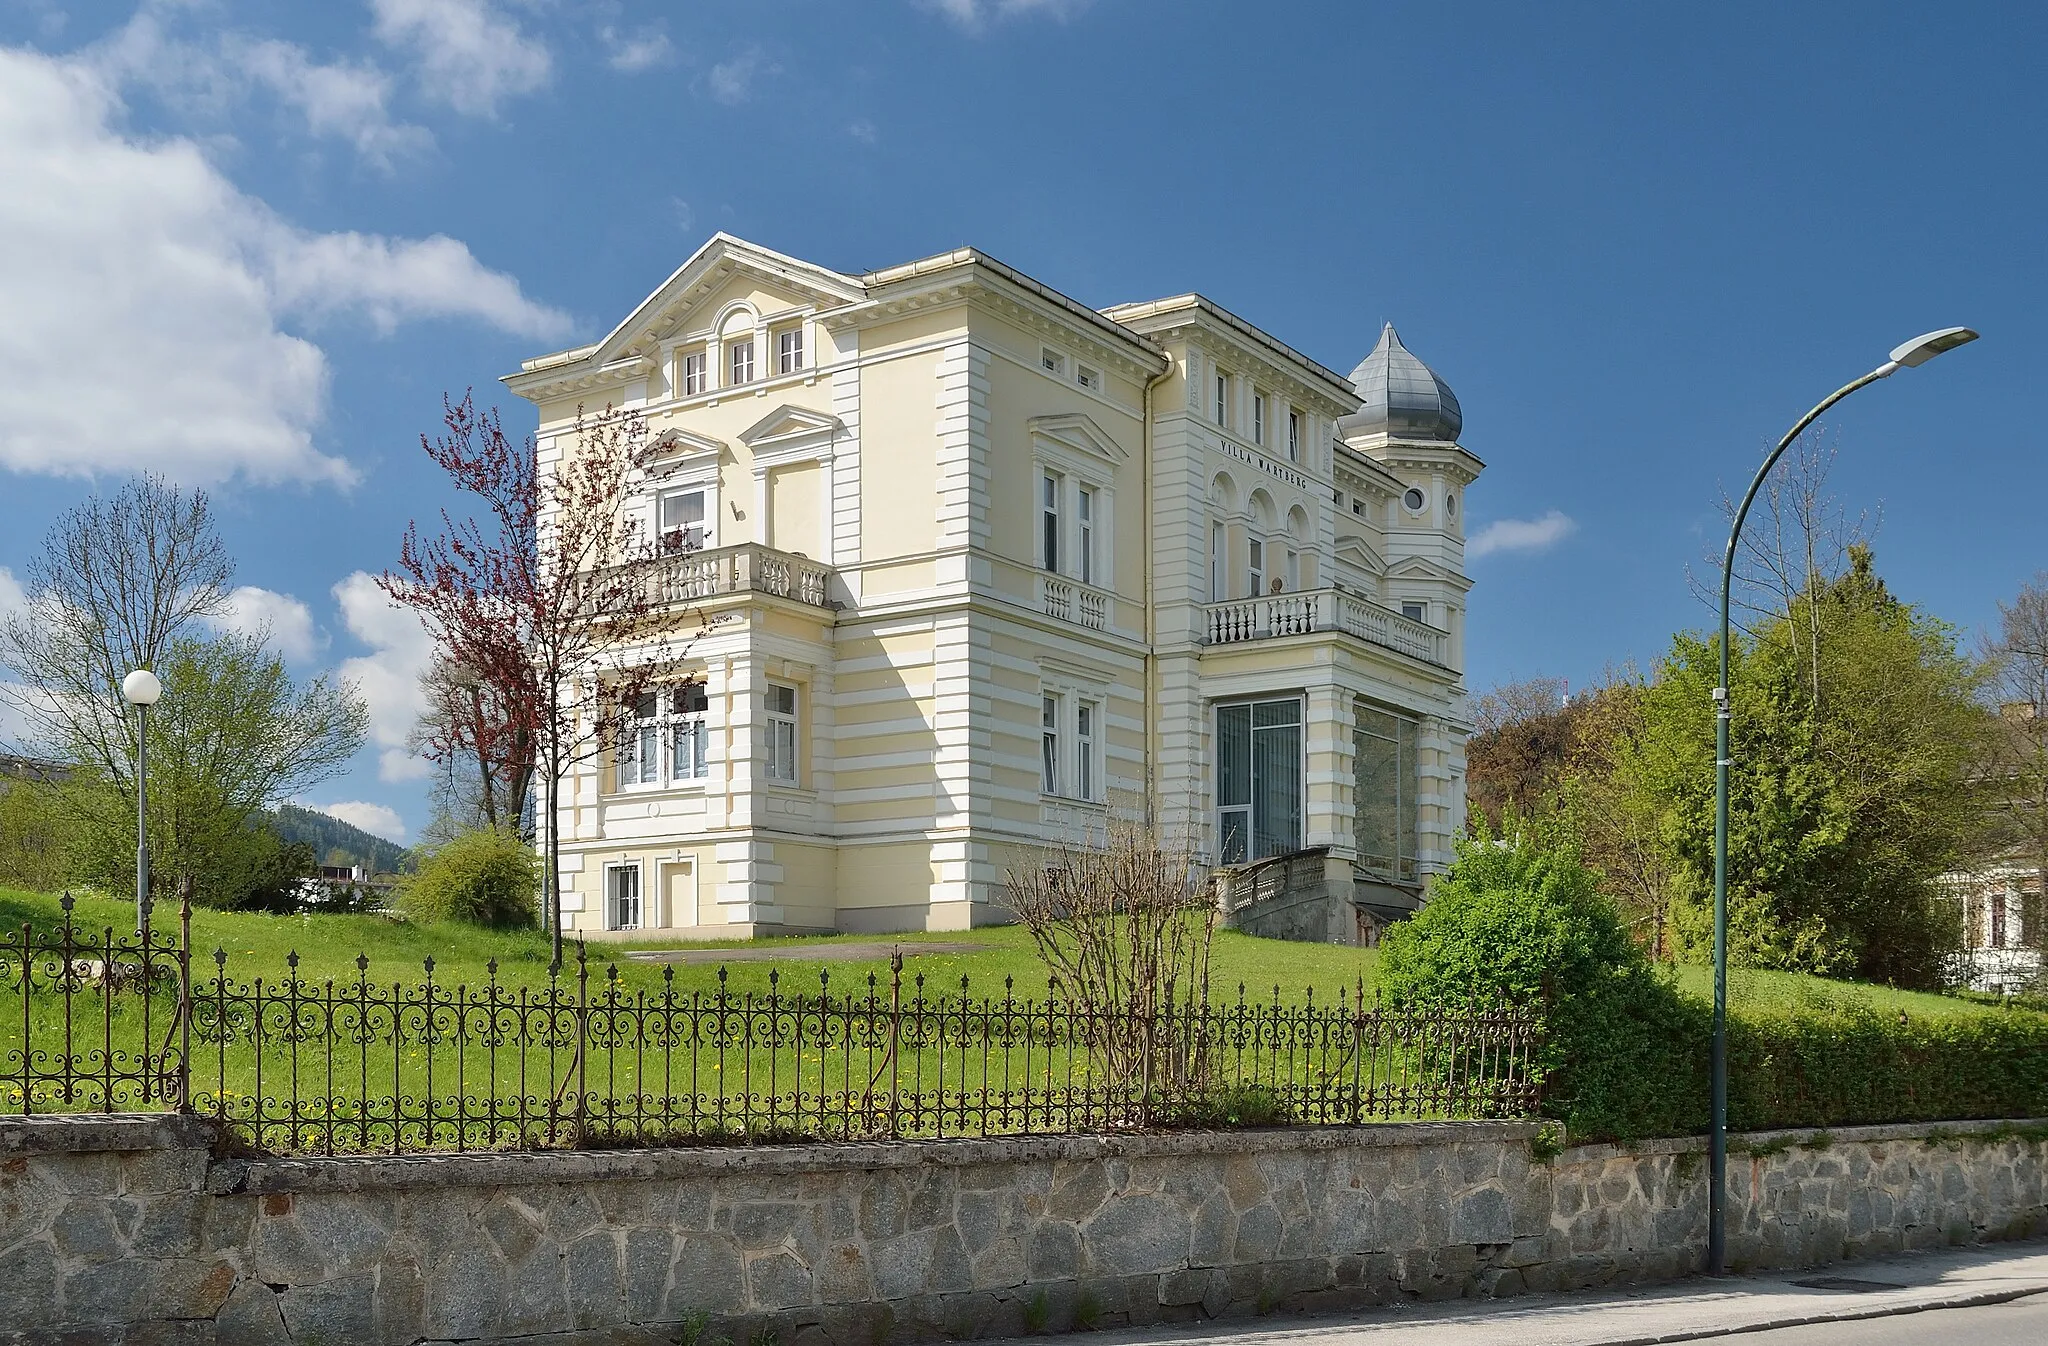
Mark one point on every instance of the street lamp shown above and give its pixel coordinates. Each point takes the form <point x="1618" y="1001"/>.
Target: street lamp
<point x="142" y="690"/>
<point x="1918" y="351"/>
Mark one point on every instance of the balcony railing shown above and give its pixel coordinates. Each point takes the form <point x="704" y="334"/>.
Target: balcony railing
<point x="1317" y="610"/>
<point x="747" y="568"/>
<point x="1071" y="602"/>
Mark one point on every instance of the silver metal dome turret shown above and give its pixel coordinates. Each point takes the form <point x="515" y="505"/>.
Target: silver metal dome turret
<point x="1402" y="396"/>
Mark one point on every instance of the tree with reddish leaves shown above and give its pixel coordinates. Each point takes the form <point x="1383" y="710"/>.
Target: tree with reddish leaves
<point x="552" y="601"/>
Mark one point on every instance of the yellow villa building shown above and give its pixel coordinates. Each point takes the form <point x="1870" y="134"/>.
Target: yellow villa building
<point x="990" y="562"/>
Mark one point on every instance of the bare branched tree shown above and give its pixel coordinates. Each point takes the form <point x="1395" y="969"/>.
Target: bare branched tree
<point x="118" y="579"/>
<point x="554" y="597"/>
<point x="1123" y="916"/>
<point x="1796" y="541"/>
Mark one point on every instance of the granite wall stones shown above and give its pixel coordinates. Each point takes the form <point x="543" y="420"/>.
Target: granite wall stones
<point x="131" y="1230"/>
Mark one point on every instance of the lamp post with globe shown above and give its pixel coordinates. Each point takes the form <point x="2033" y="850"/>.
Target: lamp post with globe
<point x="142" y="689"/>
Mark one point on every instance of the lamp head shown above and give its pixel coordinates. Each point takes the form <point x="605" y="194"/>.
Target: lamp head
<point x="1926" y="346"/>
<point x="142" y="688"/>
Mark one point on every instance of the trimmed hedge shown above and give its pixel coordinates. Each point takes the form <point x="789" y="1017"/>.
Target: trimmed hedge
<point x="1628" y="1054"/>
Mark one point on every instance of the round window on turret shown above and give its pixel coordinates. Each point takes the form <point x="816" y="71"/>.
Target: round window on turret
<point x="1413" y="500"/>
<point x="1451" y="505"/>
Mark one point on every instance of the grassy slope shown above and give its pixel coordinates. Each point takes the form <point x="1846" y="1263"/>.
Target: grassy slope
<point x="327" y="945"/>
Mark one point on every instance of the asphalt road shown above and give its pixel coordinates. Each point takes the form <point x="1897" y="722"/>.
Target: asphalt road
<point x="2020" y="1322"/>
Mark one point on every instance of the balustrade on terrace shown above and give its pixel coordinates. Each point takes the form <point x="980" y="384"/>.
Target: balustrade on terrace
<point x="1296" y="614"/>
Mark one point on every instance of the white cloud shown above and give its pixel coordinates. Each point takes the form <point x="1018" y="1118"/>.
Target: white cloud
<point x="285" y="622"/>
<point x="469" y="55"/>
<point x="642" y="49"/>
<point x="1525" y="535"/>
<point x="347" y="100"/>
<point x="377" y="819"/>
<point x="976" y="15"/>
<point x="13" y="597"/>
<point x="388" y="678"/>
<point x="863" y="131"/>
<point x="145" y="317"/>
<point x="732" y="81"/>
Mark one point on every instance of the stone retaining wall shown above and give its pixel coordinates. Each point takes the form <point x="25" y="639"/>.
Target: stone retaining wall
<point x="131" y="1230"/>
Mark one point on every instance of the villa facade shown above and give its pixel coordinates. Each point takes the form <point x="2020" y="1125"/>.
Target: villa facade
<point x="989" y="563"/>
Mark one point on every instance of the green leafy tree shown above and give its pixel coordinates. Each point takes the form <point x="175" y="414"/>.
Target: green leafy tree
<point x="485" y="876"/>
<point x="233" y="736"/>
<point x="1855" y="729"/>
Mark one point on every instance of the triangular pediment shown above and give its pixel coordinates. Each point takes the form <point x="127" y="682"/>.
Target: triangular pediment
<point x="1420" y="568"/>
<point x="1078" y="432"/>
<point x="790" y="424"/>
<point x="1361" y="553"/>
<point x="702" y="287"/>
<point x="678" y="448"/>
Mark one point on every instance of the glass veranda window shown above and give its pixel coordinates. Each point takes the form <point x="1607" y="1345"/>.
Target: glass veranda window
<point x="688" y="737"/>
<point x="639" y="753"/>
<point x="1258" y="779"/>
<point x="1385" y="788"/>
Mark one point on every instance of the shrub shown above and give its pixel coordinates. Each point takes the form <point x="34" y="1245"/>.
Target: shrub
<point x="1521" y="920"/>
<point x="487" y="876"/>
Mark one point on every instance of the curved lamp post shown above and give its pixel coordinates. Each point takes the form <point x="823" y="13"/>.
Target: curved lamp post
<point x="1918" y="351"/>
<point x="142" y="690"/>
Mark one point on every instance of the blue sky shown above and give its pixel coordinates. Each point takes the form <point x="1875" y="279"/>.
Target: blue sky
<point x="251" y="245"/>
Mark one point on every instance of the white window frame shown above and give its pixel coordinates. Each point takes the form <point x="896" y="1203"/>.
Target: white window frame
<point x="739" y="361"/>
<point x="1051" y="714"/>
<point x="1087" y="749"/>
<point x="641" y="739"/>
<point x="1255" y="565"/>
<point x="1258" y="417"/>
<point x="783" y="736"/>
<point x="789" y="350"/>
<point x="1085" y="497"/>
<point x="1052" y="485"/>
<point x="1052" y="362"/>
<point x="707" y="522"/>
<point x="689" y="723"/>
<point x="692" y="372"/>
<point x="1293" y="436"/>
<point x="1222" y="407"/>
<point x="1293" y="571"/>
<point x="1419" y="613"/>
<point x="614" y="902"/>
<point x="1088" y="377"/>
<point x="678" y="711"/>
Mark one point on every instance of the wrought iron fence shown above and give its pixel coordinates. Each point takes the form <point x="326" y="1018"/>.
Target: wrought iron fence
<point x="323" y="1065"/>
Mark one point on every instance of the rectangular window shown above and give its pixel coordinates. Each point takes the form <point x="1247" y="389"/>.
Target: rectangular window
<point x="1216" y="586"/>
<point x="1085" y="545"/>
<point x="1385" y="788"/>
<point x="1049" y="742"/>
<point x="1222" y="398"/>
<point x="740" y="362"/>
<point x="682" y="520"/>
<point x="781" y="703"/>
<point x="687" y="737"/>
<point x="622" y="897"/>
<point x="1293" y="571"/>
<point x="1052" y="362"/>
<point x="1087" y="377"/>
<point x="1415" y="612"/>
<point x="1257" y="552"/>
<point x="1258" y="418"/>
<point x="1049" y="519"/>
<point x="1293" y="436"/>
<point x="1357" y="506"/>
<point x="693" y="374"/>
<point x="1084" y="750"/>
<point x="1258" y="779"/>
<point x="639" y="751"/>
<point x="789" y="351"/>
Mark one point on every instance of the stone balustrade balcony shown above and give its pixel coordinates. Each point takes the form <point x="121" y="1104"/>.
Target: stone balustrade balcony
<point x="1323" y="610"/>
<point x="720" y="572"/>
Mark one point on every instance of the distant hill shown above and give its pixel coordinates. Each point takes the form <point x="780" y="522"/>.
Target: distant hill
<point x="327" y="836"/>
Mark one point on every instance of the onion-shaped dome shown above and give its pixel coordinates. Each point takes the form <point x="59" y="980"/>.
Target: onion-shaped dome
<point x="1402" y="396"/>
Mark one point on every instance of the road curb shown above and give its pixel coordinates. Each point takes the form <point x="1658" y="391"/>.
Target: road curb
<point x="2004" y="1296"/>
